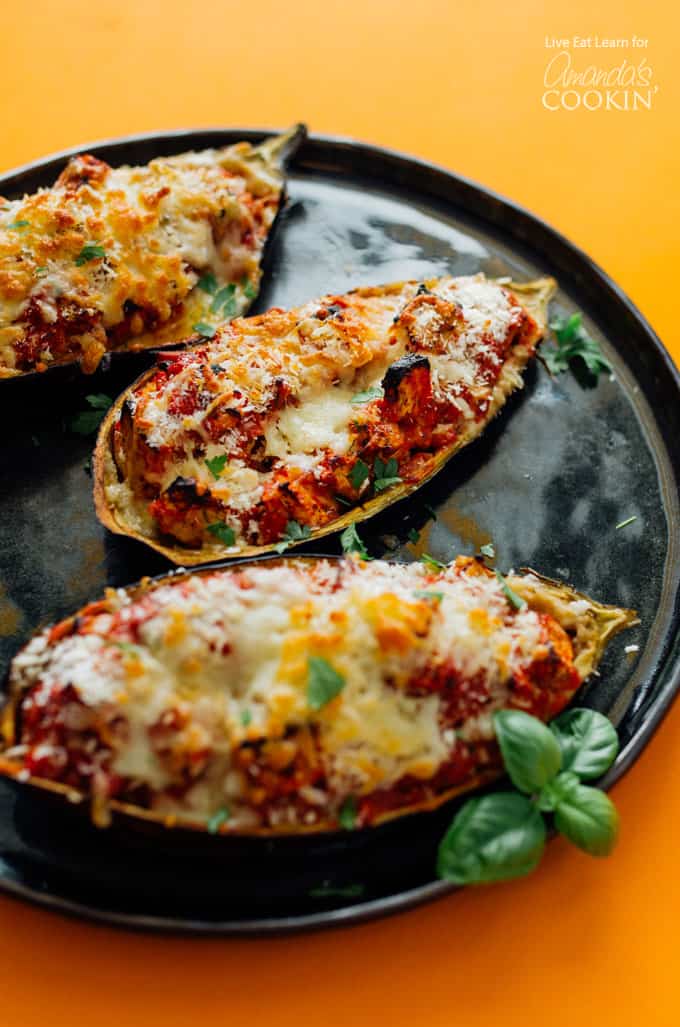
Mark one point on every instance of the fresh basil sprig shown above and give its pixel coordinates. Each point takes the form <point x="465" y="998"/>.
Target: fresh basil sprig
<point x="502" y="835"/>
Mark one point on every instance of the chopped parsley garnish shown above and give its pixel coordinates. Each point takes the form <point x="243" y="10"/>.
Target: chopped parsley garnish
<point x="90" y="251"/>
<point x="249" y="288"/>
<point x="426" y="594"/>
<point x="87" y="421"/>
<point x="358" y="474"/>
<point x="574" y="343"/>
<point x="224" y="301"/>
<point x="204" y="329"/>
<point x="414" y="536"/>
<point x="217" y="819"/>
<point x="223" y="533"/>
<point x="347" y="814"/>
<point x="323" y="682"/>
<point x="208" y="283"/>
<point x="42" y="270"/>
<point x="430" y="561"/>
<point x="488" y="550"/>
<point x="294" y="533"/>
<point x="624" y="524"/>
<point x="339" y="891"/>
<point x="351" y="542"/>
<point x="216" y="465"/>
<point x="386" y="474"/>
<point x="509" y="594"/>
<point x="246" y="717"/>
<point x="375" y="392"/>
<point x="18" y="226"/>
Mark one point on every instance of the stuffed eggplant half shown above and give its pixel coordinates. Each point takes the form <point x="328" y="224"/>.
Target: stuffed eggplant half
<point x="294" y="695"/>
<point x="296" y="423"/>
<point x="124" y="258"/>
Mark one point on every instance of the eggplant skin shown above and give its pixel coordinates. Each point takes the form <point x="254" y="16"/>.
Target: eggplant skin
<point x="582" y="624"/>
<point x="73" y="301"/>
<point x="121" y="503"/>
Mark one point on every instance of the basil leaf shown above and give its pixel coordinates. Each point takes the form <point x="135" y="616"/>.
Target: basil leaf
<point x="588" y="741"/>
<point x="224" y="298"/>
<point x="351" y="542"/>
<point x="493" y="838"/>
<point x="223" y="533"/>
<point x="530" y="751"/>
<point x="556" y="791"/>
<point x="588" y="818"/>
<point x="323" y="682"/>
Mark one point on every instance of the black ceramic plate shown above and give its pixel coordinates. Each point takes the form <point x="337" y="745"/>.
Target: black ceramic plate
<point x="548" y="483"/>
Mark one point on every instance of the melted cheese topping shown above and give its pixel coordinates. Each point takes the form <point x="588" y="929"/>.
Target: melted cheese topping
<point x="155" y="231"/>
<point x="321" y="355"/>
<point x="230" y="650"/>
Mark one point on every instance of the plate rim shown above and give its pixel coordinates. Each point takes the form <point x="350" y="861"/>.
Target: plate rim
<point x="657" y="708"/>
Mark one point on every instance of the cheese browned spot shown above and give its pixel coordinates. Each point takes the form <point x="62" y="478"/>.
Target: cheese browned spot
<point x="200" y="692"/>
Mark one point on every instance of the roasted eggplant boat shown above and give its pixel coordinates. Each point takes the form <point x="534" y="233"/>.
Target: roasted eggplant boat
<point x="294" y="695"/>
<point x="130" y="257"/>
<point x="296" y="423"/>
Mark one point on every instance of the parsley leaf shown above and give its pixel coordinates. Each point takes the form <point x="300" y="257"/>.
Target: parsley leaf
<point x="225" y="301"/>
<point x="351" y="542"/>
<point x="217" y="819"/>
<point x="347" y="814"/>
<point x="488" y="550"/>
<point x="509" y="594"/>
<point x="430" y="561"/>
<point x="18" y="226"/>
<point x="323" y="682"/>
<point x="87" y="421"/>
<point x="223" y="533"/>
<point x="90" y="251"/>
<point x="294" y="533"/>
<point x="208" y="283"/>
<point x="216" y="465"/>
<point x="204" y="329"/>
<point x="414" y="536"/>
<point x="386" y="474"/>
<point x="426" y="594"/>
<point x="40" y="271"/>
<point x="574" y="343"/>
<point x="358" y="474"/>
<point x="249" y="288"/>
<point x="375" y="392"/>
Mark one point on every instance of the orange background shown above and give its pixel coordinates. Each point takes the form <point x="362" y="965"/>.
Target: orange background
<point x="459" y="83"/>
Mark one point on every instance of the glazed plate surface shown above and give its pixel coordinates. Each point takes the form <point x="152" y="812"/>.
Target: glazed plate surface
<point x="547" y="483"/>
